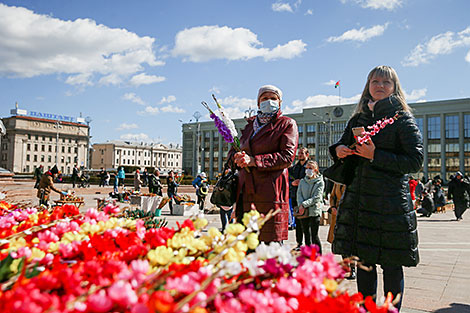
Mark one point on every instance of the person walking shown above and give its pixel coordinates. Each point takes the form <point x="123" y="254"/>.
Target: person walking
<point x="412" y="183"/>
<point x="172" y="189"/>
<point x="438" y="196"/>
<point x="197" y="182"/>
<point x="137" y="181"/>
<point x="46" y="185"/>
<point x="459" y="193"/>
<point x="310" y="197"/>
<point x="121" y="175"/>
<point x="202" y="191"/>
<point x="75" y="175"/>
<point x="268" y="143"/>
<point x="102" y="177"/>
<point x="145" y="178"/>
<point x="296" y="173"/>
<point x="38" y="172"/>
<point x="376" y="221"/>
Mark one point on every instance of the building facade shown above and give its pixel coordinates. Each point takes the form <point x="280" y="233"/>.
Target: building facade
<point x="445" y="126"/>
<point x="113" y="154"/>
<point x="33" y="141"/>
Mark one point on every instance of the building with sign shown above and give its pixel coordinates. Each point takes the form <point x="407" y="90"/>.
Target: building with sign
<point x="113" y="154"/>
<point x="445" y="126"/>
<point x="34" y="138"/>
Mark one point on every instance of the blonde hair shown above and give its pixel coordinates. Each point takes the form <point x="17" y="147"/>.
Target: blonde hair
<point x="314" y="164"/>
<point x="382" y="71"/>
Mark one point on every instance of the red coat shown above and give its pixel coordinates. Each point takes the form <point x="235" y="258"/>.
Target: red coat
<point x="413" y="183"/>
<point x="267" y="185"/>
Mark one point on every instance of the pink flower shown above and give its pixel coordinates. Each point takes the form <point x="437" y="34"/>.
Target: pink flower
<point x="99" y="302"/>
<point x="111" y="209"/>
<point x="48" y="236"/>
<point x="70" y="250"/>
<point x="231" y="305"/>
<point x="289" y="286"/>
<point x="122" y="293"/>
<point x="332" y="268"/>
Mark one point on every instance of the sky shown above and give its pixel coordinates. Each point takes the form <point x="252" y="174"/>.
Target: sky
<point x="139" y="69"/>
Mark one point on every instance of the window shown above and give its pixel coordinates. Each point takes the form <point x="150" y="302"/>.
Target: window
<point x="300" y="128"/>
<point x="50" y="148"/>
<point x="452" y="147"/>
<point x="310" y="128"/>
<point x="28" y="147"/>
<point x="49" y="159"/>
<point x="466" y="125"/>
<point x="42" y="158"/>
<point x="76" y="150"/>
<point x="434" y="127"/>
<point x="434" y="148"/>
<point x="70" y="149"/>
<point x="28" y="157"/>
<point x="419" y="122"/>
<point x="452" y="126"/>
<point x="63" y="149"/>
<point x="43" y="147"/>
<point x="29" y="137"/>
<point x="310" y="140"/>
<point x="35" y="158"/>
<point x="35" y="147"/>
<point x="63" y="140"/>
<point x="68" y="160"/>
<point x="36" y="137"/>
<point x="43" y="138"/>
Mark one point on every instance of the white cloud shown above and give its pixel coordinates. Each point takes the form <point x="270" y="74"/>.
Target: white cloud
<point x="204" y="43"/>
<point x="127" y="126"/>
<point x="144" y="79"/>
<point x="318" y="101"/>
<point x="330" y="83"/>
<point x="168" y="99"/>
<point x="362" y="34"/>
<point x="416" y="94"/>
<point x="440" y="44"/>
<point x="214" y="89"/>
<point x="172" y="109"/>
<point x="309" y="12"/>
<point x="281" y="7"/>
<point x="467" y="58"/>
<point x="133" y="97"/>
<point x="136" y="137"/>
<point x="36" y="44"/>
<point x="378" y="4"/>
<point x="149" y="110"/>
<point x="236" y="107"/>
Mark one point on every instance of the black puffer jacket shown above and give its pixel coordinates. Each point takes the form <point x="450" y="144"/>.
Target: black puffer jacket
<point x="376" y="220"/>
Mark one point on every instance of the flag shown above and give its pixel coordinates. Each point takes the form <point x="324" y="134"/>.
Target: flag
<point x="337" y="84"/>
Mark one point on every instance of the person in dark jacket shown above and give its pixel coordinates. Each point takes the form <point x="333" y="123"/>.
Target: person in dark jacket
<point x="268" y="143"/>
<point x="38" y="172"/>
<point x="459" y="192"/>
<point x="46" y="185"/>
<point x="155" y="186"/>
<point x="427" y="204"/>
<point x="376" y="221"/>
<point x="172" y="189"/>
<point x="438" y="196"/>
<point x="296" y="173"/>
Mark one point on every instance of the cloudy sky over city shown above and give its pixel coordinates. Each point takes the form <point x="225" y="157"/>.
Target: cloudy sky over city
<point x="140" y="69"/>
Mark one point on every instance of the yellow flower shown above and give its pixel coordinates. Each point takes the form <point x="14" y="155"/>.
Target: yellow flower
<point x="247" y="216"/>
<point x="214" y="232"/>
<point x="53" y="247"/>
<point x="233" y="256"/>
<point x="160" y="256"/>
<point x="235" y="229"/>
<point x="35" y="240"/>
<point x="252" y="241"/>
<point x="200" y="223"/>
<point x="241" y="246"/>
<point x="14" y="265"/>
<point x="86" y="227"/>
<point x="330" y="285"/>
<point x="37" y="254"/>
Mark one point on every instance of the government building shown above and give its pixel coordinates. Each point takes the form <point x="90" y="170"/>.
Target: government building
<point x="445" y="126"/>
<point x="113" y="154"/>
<point x="35" y="138"/>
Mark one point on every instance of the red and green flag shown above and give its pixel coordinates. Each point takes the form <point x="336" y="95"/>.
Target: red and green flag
<point x="337" y="84"/>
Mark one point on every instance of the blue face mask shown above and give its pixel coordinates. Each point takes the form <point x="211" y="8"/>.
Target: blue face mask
<point x="269" y="106"/>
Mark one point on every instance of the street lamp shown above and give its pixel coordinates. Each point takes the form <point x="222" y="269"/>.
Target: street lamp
<point x="327" y="122"/>
<point x="88" y="121"/>
<point x="57" y="126"/>
<point x="249" y="113"/>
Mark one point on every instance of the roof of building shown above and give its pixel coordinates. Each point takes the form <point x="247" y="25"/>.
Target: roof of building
<point x="130" y="144"/>
<point x="45" y="120"/>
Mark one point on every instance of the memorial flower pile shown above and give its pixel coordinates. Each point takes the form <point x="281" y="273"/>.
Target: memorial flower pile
<point x="101" y="261"/>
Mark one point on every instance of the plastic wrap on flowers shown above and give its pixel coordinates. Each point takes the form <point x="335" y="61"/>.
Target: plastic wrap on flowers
<point x="94" y="262"/>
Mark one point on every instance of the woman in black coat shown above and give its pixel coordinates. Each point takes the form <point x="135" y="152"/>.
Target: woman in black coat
<point x="376" y="221"/>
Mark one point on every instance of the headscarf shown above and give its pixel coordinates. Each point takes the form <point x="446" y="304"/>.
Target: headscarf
<point x="269" y="88"/>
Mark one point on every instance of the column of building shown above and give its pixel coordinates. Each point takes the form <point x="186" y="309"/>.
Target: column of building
<point x="425" y="145"/>
<point x="211" y="154"/>
<point x="461" y="142"/>
<point x="443" y="146"/>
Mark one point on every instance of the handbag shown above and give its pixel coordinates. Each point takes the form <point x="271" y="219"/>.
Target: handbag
<point x="341" y="172"/>
<point x="300" y="213"/>
<point x="225" y="190"/>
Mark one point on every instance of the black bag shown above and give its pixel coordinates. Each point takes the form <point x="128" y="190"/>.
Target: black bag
<point x="339" y="173"/>
<point x="225" y="190"/>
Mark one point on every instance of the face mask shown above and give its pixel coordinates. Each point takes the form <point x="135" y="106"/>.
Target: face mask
<point x="309" y="172"/>
<point x="269" y="106"/>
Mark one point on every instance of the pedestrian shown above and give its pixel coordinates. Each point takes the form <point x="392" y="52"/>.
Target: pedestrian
<point x="116" y="183"/>
<point x="172" y="189"/>
<point x="418" y="192"/>
<point x="46" y="185"/>
<point x="107" y="178"/>
<point x="202" y="191"/>
<point x="296" y="173"/>
<point x="102" y="177"/>
<point x="121" y="175"/>
<point x="310" y="197"/>
<point x="38" y="174"/>
<point x="412" y="184"/>
<point x="459" y="193"/>
<point x="427" y="204"/>
<point x="438" y="196"/>
<point x="268" y="143"/>
<point x="145" y="178"/>
<point x="376" y="221"/>
<point x="155" y="185"/>
<point x="197" y="182"/>
<point x="225" y="212"/>
<point x="137" y="181"/>
<point x="75" y="175"/>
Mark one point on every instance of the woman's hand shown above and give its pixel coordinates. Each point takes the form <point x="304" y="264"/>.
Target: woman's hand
<point x="342" y="151"/>
<point x="366" y="150"/>
<point x="243" y="160"/>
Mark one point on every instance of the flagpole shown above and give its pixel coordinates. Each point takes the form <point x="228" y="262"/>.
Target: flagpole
<point x="339" y="94"/>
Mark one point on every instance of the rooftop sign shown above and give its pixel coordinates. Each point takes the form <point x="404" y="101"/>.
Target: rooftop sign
<point x="51" y="116"/>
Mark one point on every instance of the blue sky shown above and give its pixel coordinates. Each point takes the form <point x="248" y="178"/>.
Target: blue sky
<point x="138" y="67"/>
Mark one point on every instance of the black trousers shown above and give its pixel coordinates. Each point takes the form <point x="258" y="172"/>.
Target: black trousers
<point x="394" y="281"/>
<point x="310" y="226"/>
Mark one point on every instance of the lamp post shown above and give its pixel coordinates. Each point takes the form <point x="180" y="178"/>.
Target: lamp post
<point x="327" y="121"/>
<point x="57" y="126"/>
<point x="249" y="113"/>
<point x="88" y="121"/>
<point x="196" y="168"/>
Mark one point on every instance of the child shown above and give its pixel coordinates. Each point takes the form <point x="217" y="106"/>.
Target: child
<point x="202" y="192"/>
<point x="310" y="197"/>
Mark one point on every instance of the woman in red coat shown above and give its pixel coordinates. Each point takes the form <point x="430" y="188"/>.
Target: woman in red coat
<point x="268" y="144"/>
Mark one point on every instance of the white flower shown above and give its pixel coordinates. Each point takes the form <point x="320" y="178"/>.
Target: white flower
<point x="230" y="268"/>
<point x="253" y="264"/>
<point x="228" y="122"/>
